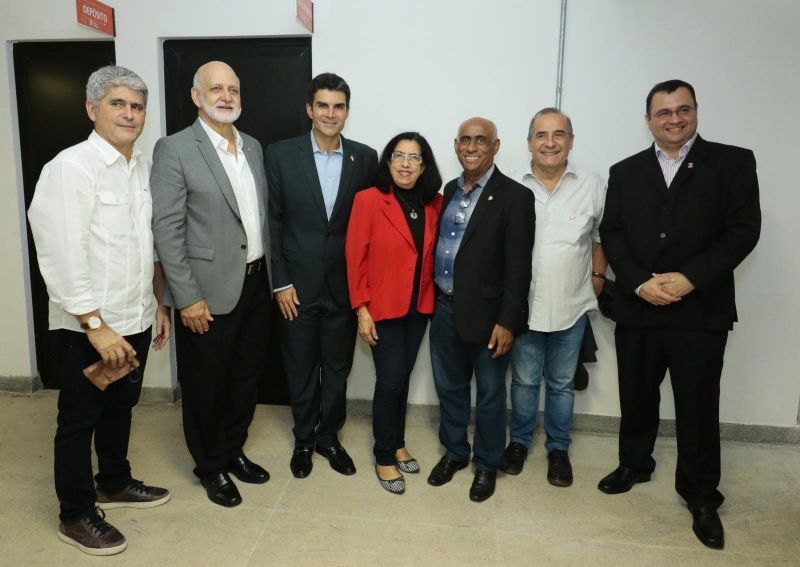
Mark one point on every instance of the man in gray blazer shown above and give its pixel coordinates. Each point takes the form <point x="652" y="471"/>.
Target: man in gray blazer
<point x="313" y="179"/>
<point x="210" y="229"/>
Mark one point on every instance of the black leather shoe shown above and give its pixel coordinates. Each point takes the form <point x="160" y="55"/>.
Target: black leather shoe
<point x="482" y="486"/>
<point x="338" y="458"/>
<point x="707" y="526"/>
<point x="622" y="480"/>
<point x="221" y="490"/>
<point x="515" y="455"/>
<point x="444" y="470"/>
<point x="301" y="462"/>
<point x="559" y="469"/>
<point x="247" y="471"/>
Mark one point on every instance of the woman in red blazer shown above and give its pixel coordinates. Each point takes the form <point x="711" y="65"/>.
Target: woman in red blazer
<point x="391" y="241"/>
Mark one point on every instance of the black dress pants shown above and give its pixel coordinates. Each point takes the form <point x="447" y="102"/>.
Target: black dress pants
<point x="317" y="348"/>
<point x="220" y="374"/>
<point x="694" y="360"/>
<point x="394" y="356"/>
<point x="83" y="410"/>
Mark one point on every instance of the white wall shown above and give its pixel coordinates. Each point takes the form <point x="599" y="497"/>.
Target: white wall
<point x="427" y="65"/>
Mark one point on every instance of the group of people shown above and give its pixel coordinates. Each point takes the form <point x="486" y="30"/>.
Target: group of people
<point x="351" y="245"/>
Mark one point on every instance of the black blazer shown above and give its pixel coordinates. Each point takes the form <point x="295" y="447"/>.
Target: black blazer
<point x="493" y="262"/>
<point x="703" y="226"/>
<point x="307" y="248"/>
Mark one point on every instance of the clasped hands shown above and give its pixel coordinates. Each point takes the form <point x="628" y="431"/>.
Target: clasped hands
<point x="665" y="289"/>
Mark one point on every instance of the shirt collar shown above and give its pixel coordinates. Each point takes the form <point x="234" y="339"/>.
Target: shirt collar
<point x="109" y="153"/>
<point x="481" y="182"/>
<point x="316" y="150"/>
<point x="682" y="152"/>
<point x="219" y="141"/>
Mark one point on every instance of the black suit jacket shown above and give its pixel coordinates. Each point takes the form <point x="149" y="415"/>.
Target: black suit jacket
<point x="493" y="262"/>
<point x="703" y="226"/>
<point x="307" y="248"/>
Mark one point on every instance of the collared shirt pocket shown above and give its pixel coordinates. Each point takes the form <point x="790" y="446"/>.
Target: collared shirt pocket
<point x="114" y="212"/>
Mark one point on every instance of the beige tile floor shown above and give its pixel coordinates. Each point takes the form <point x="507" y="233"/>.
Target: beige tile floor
<point x="329" y="520"/>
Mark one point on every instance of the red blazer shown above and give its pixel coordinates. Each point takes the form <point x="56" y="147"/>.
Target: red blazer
<point x="381" y="255"/>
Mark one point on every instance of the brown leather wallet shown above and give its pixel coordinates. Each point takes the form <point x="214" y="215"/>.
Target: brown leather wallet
<point x="101" y="374"/>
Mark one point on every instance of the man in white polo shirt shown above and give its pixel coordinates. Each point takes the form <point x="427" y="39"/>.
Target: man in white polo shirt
<point x="90" y="217"/>
<point x="568" y="271"/>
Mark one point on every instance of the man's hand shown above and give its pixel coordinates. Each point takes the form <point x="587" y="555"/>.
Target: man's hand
<point x="111" y="347"/>
<point x="653" y="290"/>
<point x="287" y="301"/>
<point x="163" y="327"/>
<point x="196" y="316"/>
<point x="680" y="285"/>
<point x="366" y="326"/>
<point x="502" y="339"/>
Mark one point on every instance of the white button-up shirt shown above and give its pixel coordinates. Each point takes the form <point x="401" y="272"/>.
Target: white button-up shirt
<point x="567" y="222"/>
<point x="90" y="217"/>
<point x="244" y="188"/>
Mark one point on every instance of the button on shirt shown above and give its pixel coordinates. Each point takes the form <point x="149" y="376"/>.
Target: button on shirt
<point x="450" y="233"/>
<point x="567" y="222"/>
<point x="244" y="188"/>
<point x="90" y="217"/>
<point x="329" y="171"/>
<point x="670" y="166"/>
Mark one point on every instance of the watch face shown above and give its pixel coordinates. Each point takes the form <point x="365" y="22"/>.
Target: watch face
<point x="94" y="322"/>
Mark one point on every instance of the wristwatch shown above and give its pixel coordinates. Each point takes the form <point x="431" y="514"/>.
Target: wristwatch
<point x="92" y="324"/>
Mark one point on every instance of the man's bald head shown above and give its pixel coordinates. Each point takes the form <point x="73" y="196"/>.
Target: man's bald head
<point x="484" y="122"/>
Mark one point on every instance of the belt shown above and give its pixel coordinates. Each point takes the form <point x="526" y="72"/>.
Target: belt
<point x="255" y="266"/>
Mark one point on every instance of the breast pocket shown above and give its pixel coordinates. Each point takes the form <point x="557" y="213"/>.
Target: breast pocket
<point x="569" y="228"/>
<point x="114" y="212"/>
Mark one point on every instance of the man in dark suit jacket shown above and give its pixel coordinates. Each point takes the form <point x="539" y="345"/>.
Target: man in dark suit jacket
<point x="482" y="272"/>
<point x="679" y="217"/>
<point x="313" y="179"/>
<point x="210" y="230"/>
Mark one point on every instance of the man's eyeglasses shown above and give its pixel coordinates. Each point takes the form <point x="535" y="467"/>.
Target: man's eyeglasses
<point x="682" y="112"/>
<point x="413" y="159"/>
<point x="461" y="214"/>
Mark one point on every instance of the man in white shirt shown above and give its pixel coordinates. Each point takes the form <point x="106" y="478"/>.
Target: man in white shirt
<point x="210" y="229"/>
<point x="90" y="217"/>
<point x="568" y="271"/>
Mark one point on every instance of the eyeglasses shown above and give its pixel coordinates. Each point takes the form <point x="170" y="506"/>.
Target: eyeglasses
<point x="480" y="141"/>
<point x="413" y="159"/>
<point x="461" y="214"/>
<point x="681" y="112"/>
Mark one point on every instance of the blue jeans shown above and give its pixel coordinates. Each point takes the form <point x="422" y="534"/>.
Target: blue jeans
<point x="555" y="355"/>
<point x="453" y="362"/>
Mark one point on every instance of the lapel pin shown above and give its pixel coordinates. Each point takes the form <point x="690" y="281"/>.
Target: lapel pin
<point x="491" y="197"/>
<point x="352" y="158"/>
<point x="690" y="165"/>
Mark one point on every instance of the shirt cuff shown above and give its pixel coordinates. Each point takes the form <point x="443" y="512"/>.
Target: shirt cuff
<point x="277" y="289"/>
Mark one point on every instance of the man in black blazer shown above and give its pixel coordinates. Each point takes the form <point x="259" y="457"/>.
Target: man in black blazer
<point x="482" y="272"/>
<point x="679" y="217"/>
<point x="312" y="181"/>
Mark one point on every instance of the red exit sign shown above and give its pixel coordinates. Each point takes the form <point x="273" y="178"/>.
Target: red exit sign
<point x="96" y="15"/>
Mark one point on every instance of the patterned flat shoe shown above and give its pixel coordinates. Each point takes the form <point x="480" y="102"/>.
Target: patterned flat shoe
<point x="409" y="466"/>
<point x="393" y="485"/>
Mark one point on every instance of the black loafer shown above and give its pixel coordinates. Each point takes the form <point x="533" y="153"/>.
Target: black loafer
<point x="338" y="458"/>
<point x="622" y="480"/>
<point x="221" y="490"/>
<point x="707" y="526"/>
<point x="482" y="486"/>
<point x="515" y="455"/>
<point x="559" y="469"/>
<point x="301" y="462"/>
<point x="444" y="470"/>
<point x="247" y="471"/>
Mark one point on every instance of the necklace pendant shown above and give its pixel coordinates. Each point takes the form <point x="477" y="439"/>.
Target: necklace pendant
<point x="413" y="214"/>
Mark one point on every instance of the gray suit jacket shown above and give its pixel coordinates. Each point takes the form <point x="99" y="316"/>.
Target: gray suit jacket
<point x="197" y="229"/>
<point x="307" y="247"/>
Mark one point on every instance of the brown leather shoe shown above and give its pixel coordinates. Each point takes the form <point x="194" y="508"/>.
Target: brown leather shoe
<point x="93" y="535"/>
<point x="136" y="495"/>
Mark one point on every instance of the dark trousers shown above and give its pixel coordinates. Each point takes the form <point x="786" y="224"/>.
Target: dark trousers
<point x="394" y="357"/>
<point x="694" y="360"/>
<point x="219" y="381"/>
<point x="453" y="362"/>
<point x="317" y="348"/>
<point x="83" y="410"/>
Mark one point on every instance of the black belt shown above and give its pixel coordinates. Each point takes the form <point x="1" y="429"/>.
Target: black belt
<point x="255" y="266"/>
